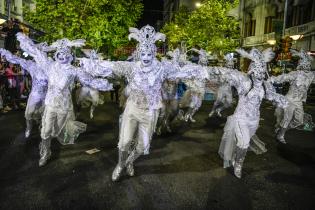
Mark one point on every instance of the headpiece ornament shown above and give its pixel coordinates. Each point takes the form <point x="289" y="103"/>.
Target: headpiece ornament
<point x="203" y="56"/>
<point x="305" y="62"/>
<point x="146" y="37"/>
<point x="259" y="59"/>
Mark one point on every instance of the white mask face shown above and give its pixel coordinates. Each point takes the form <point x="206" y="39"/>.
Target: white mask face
<point x="146" y="58"/>
<point x="63" y="57"/>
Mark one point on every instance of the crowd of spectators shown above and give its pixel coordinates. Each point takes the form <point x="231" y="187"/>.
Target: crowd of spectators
<point x="15" y="85"/>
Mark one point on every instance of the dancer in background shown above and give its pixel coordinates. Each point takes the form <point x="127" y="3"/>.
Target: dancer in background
<point x="300" y="80"/>
<point x="224" y="97"/>
<point x="195" y="89"/>
<point x="87" y="95"/>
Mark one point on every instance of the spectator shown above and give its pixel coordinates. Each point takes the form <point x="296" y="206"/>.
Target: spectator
<point x="11" y="29"/>
<point x="12" y="85"/>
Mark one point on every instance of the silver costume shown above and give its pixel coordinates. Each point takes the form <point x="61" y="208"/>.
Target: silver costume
<point x="58" y="118"/>
<point x="300" y="80"/>
<point x="145" y="79"/>
<point x="35" y="103"/>
<point x="224" y="96"/>
<point x="242" y="125"/>
<point x="170" y="105"/>
<point x="195" y="89"/>
<point x="88" y="96"/>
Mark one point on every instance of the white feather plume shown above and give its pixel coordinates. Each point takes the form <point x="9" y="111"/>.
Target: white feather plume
<point x="268" y="54"/>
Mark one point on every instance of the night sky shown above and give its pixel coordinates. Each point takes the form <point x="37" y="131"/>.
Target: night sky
<point x="153" y="11"/>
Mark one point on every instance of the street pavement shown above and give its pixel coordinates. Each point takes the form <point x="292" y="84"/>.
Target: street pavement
<point x="183" y="170"/>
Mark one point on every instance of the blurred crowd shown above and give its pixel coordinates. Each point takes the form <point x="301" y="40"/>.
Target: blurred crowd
<point x="15" y="84"/>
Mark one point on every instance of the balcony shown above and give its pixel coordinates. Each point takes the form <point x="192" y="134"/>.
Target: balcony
<point x="304" y="29"/>
<point x="258" y="40"/>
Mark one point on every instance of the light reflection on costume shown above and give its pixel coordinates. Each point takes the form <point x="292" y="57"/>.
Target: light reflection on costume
<point x="300" y="80"/>
<point x="224" y="96"/>
<point x="35" y="103"/>
<point x="58" y="118"/>
<point x="145" y="79"/>
<point x="242" y="125"/>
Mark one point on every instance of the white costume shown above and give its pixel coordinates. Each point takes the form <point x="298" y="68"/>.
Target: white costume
<point x="145" y="79"/>
<point x="58" y="118"/>
<point x="88" y="96"/>
<point x="195" y="89"/>
<point x="35" y="103"/>
<point x="300" y="80"/>
<point x="224" y="96"/>
<point x="170" y="105"/>
<point x="242" y="125"/>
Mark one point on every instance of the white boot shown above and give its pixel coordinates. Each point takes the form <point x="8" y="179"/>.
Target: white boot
<point x="239" y="160"/>
<point x="44" y="151"/>
<point x="122" y="156"/>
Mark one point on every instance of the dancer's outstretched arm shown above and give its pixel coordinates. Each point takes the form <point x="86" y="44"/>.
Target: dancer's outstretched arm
<point x="276" y="98"/>
<point x="29" y="47"/>
<point x="88" y="80"/>
<point x="28" y="65"/>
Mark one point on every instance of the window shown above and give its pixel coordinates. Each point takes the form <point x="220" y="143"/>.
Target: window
<point x="268" y="25"/>
<point x="250" y="27"/>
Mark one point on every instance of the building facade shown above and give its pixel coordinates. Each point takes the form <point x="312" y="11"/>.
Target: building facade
<point x="262" y="21"/>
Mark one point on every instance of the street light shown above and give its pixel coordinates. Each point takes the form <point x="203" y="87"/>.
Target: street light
<point x="296" y="37"/>
<point x="271" y="42"/>
<point x="198" y="4"/>
<point x="2" y="21"/>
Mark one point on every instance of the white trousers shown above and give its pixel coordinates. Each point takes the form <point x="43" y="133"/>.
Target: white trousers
<point x="137" y="124"/>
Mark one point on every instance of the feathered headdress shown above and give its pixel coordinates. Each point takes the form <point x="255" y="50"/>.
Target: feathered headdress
<point x="146" y="37"/>
<point x="305" y="60"/>
<point x="203" y="56"/>
<point x="259" y="59"/>
<point x="64" y="45"/>
<point x="44" y="47"/>
<point x="229" y="60"/>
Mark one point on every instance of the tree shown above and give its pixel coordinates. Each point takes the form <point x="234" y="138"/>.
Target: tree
<point x="207" y="27"/>
<point x="103" y="23"/>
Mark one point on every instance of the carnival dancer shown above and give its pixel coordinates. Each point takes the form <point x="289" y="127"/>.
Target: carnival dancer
<point x="300" y="80"/>
<point x="195" y="89"/>
<point x="242" y="125"/>
<point x="35" y="103"/>
<point x="86" y="94"/>
<point x="170" y="102"/>
<point x="58" y="118"/>
<point x="224" y="96"/>
<point x="145" y="79"/>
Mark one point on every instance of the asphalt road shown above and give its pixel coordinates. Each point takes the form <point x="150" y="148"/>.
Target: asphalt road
<point x="183" y="170"/>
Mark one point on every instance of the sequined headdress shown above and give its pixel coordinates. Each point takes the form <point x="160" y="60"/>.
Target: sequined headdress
<point x="64" y="45"/>
<point x="305" y="62"/>
<point x="259" y="60"/>
<point x="203" y="56"/>
<point x="146" y="37"/>
<point x="229" y="60"/>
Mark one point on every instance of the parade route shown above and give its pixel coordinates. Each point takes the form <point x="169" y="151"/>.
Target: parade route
<point x="183" y="171"/>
